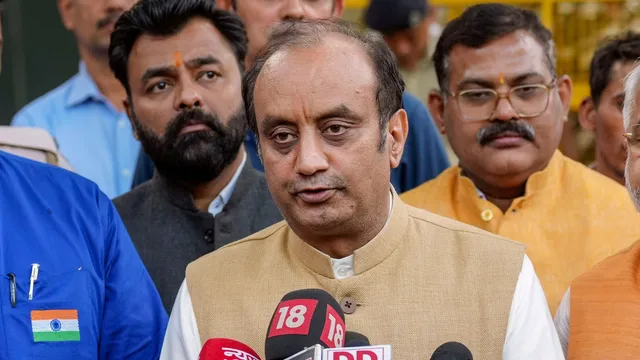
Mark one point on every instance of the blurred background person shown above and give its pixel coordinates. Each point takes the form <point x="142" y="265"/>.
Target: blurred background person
<point x="504" y="107"/>
<point x="410" y="29"/>
<point x="183" y="78"/>
<point x="85" y="114"/>
<point x="424" y="156"/>
<point x="598" y="317"/>
<point x="601" y="113"/>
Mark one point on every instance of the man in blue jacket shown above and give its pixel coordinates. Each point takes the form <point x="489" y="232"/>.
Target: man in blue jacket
<point x="424" y="155"/>
<point x="72" y="285"/>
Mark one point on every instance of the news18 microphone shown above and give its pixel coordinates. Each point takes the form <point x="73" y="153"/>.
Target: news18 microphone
<point x="452" y="351"/>
<point x="304" y="318"/>
<point x="226" y="349"/>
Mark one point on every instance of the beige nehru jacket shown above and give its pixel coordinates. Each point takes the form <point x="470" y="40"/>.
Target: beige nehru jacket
<point x="422" y="281"/>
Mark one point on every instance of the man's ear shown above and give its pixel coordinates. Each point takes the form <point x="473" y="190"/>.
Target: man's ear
<point x="225" y="5"/>
<point x="565" y="90"/>
<point x="338" y="8"/>
<point x="587" y="114"/>
<point x="398" y="129"/>
<point x="65" y="8"/>
<point x="129" y="110"/>
<point x="436" y="109"/>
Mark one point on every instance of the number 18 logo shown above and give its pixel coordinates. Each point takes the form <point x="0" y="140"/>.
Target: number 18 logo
<point x="333" y="332"/>
<point x="293" y="317"/>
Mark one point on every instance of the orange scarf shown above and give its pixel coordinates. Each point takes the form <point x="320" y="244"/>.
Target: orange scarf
<point x="605" y="310"/>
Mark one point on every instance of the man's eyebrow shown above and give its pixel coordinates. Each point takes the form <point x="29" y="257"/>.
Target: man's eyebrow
<point x="340" y="111"/>
<point x="201" y="61"/>
<point x="270" y="122"/>
<point x="490" y="84"/>
<point x="170" y="70"/>
<point x="160" y="71"/>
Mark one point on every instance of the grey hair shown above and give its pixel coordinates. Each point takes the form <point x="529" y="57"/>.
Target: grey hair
<point x="630" y="88"/>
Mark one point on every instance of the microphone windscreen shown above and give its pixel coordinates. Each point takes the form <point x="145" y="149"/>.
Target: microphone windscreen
<point x="452" y="351"/>
<point x="302" y="319"/>
<point x="226" y="349"/>
<point x="354" y="339"/>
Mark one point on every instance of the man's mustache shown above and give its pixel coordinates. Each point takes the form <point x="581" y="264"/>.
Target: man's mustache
<point x="110" y="18"/>
<point x="320" y="181"/>
<point x="493" y="131"/>
<point x="192" y="117"/>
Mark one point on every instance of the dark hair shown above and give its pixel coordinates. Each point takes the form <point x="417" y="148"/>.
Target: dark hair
<point x="304" y="33"/>
<point x="481" y="24"/>
<point x="165" y="18"/>
<point x="625" y="47"/>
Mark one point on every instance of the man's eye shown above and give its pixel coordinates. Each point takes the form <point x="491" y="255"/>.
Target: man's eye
<point x="161" y="86"/>
<point x="283" y="137"/>
<point x="336" y="129"/>
<point x="210" y="75"/>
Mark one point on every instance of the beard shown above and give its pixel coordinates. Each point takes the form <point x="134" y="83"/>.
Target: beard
<point x="198" y="157"/>
<point x="634" y="192"/>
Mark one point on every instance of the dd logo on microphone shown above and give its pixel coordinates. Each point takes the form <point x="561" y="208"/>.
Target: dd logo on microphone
<point x="333" y="331"/>
<point x="382" y="352"/>
<point x="293" y="317"/>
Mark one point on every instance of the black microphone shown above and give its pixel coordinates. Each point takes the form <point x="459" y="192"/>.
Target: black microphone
<point x="452" y="351"/>
<point x="354" y="339"/>
<point x="304" y="318"/>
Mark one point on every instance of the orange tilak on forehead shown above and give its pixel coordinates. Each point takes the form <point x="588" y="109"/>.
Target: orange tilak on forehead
<point x="177" y="57"/>
<point x="501" y="79"/>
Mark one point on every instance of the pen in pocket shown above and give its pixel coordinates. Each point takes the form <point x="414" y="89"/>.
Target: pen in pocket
<point x="12" y="289"/>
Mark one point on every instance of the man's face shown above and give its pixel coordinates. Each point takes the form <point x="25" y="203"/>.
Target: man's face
<point x="186" y="103"/>
<point x="632" y="170"/>
<point x="605" y="118"/>
<point x="260" y="15"/>
<point x="320" y="136"/>
<point x="410" y="45"/>
<point x="507" y="148"/>
<point x="92" y="21"/>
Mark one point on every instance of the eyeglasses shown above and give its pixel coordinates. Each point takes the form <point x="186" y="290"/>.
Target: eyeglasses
<point x="633" y="136"/>
<point x="527" y="100"/>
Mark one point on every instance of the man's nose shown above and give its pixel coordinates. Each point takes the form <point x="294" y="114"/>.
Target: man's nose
<point x="188" y="97"/>
<point x="292" y="9"/>
<point x="504" y="110"/>
<point x="311" y="157"/>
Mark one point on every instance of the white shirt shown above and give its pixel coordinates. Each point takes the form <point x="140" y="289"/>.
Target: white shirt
<point x="222" y="199"/>
<point x="531" y="334"/>
<point x="562" y="321"/>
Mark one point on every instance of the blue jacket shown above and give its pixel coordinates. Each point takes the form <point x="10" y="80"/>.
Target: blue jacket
<point x="423" y="159"/>
<point x="93" y="298"/>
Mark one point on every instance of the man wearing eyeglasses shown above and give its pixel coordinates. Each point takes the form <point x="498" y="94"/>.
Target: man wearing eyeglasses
<point x="598" y="317"/>
<point x="503" y="108"/>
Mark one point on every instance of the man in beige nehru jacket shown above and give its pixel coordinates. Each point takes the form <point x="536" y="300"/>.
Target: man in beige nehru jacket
<point x="325" y="103"/>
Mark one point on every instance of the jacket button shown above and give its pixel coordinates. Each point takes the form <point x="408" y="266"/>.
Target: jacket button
<point x="208" y="235"/>
<point x="487" y="215"/>
<point x="348" y="305"/>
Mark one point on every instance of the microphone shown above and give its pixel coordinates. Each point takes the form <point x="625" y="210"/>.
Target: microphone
<point x="354" y="339"/>
<point x="302" y="319"/>
<point x="452" y="351"/>
<point x="357" y="347"/>
<point x="226" y="349"/>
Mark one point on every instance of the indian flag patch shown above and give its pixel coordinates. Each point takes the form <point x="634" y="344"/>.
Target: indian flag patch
<point x="55" y="325"/>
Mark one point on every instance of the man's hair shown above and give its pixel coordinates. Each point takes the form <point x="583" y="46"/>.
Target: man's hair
<point x="166" y="18"/>
<point x="480" y="24"/>
<point x="630" y="101"/>
<point x="625" y="48"/>
<point x="306" y="33"/>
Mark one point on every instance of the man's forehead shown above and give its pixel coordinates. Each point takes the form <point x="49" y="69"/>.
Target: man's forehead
<point x="510" y="56"/>
<point x="198" y="38"/>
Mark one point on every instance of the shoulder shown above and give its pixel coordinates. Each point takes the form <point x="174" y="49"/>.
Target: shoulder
<point x="601" y="189"/>
<point x="251" y="245"/>
<point x="416" y="196"/>
<point x="624" y="262"/>
<point x="47" y="104"/>
<point x="428" y="222"/>
<point x="51" y="185"/>
<point x="134" y="199"/>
